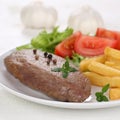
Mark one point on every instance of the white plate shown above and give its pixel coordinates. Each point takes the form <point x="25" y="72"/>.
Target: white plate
<point x="13" y="86"/>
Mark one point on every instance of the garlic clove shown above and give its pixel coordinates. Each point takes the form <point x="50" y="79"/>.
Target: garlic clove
<point x="37" y="15"/>
<point x="85" y="19"/>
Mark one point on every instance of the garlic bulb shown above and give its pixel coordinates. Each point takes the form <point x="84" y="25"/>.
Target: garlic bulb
<point x="36" y="15"/>
<point x="86" y="20"/>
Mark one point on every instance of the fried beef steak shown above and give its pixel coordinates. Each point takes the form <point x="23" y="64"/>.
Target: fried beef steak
<point x="33" y="68"/>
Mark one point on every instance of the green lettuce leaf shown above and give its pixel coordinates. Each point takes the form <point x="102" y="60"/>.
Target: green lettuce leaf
<point x="47" y="41"/>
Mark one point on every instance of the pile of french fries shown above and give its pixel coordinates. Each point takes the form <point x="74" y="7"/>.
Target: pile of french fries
<point x="104" y="69"/>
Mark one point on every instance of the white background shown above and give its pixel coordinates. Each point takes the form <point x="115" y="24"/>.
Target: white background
<point x="13" y="34"/>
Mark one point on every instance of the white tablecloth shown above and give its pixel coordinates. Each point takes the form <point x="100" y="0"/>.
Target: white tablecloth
<point x="13" y="34"/>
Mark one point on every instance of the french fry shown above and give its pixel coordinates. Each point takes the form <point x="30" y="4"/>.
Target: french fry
<point x="100" y="80"/>
<point x="114" y="60"/>
<point x="111" y="64"/>
<point x="84" y="64"/>
<point x="110" y="52"/>
<point x="103" y="69"/>
<point x="114" y="93"/>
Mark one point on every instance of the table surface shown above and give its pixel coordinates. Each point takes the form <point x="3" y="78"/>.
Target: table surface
<point x="13" y="34"/>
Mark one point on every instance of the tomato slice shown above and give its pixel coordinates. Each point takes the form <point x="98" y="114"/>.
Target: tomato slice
<point x="101" y="32"/>
<point x="66" y="47"/>
<point x="92" y="46"/>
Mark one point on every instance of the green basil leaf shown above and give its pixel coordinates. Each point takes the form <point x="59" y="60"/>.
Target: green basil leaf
<point x="66" y="69"/>
<point x="104" y="98"/>
<point x="65" y="74"/>
<point x="67" y="65"/>
<point x="99" y="99"/>
<point x="71" y="69"/>
<point x="100" y="95"/>
<point x="105" y="88"/>
<point x="56" y="70"/>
